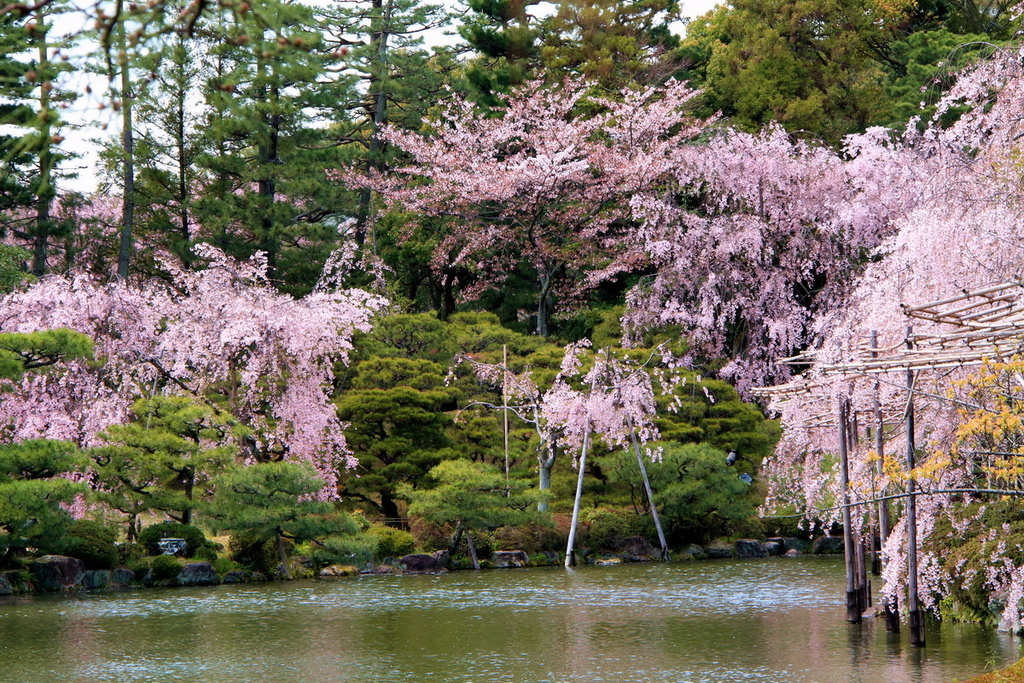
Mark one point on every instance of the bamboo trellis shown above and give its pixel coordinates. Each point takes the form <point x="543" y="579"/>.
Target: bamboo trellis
<point x="987" y="325"/>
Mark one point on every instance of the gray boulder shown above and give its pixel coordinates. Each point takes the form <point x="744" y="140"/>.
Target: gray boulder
<point x="234" y="576"/>
<point x="773" y="547"/>
<point x="96" y="578"/>
<point x="828" y="545"/>
<point x="720" y="550"/>
<point x="121" y="577"/>
<point x="637" y="549"/>
<point x="748" y="548"/>
<point x="796" y="544"/>
<point x="420" y="564"/>
<point x="197" y="574"/>
<point x="696" y="551"/>
<point x="5" y="586"/>
<point x="57" y="572"/>
<point x="510" y="559"/>
<point x="792" y="552"/>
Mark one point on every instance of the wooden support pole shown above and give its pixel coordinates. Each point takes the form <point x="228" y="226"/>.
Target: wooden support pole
<point x="914" y="614"/>
<point x="853" y="606"/>
<point x="890" y="608"/>
<point x="647" y="488"/>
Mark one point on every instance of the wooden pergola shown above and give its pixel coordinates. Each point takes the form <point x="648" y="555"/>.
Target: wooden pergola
<point x="981" y="326"/>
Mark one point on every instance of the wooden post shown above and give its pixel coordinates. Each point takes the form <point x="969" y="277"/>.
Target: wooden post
<point x="504" y="411"/>
<point x="853" y="606"/>
<point x="890" y="607"/>
<point x="472" y="550"/>
<point x="647" y="488"/>
<point x="915" y="617"/>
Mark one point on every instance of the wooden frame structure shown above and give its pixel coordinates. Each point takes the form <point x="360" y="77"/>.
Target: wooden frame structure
<point x="985" y="326"/>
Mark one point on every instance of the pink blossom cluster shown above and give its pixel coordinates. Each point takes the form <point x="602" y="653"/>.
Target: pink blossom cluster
<point x="222" y="330"/>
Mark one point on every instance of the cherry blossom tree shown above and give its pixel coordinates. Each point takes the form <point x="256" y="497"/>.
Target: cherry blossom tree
<point x="956" y="229"/>
<point x="222" y="334"/>
<point x="542" y="184"/>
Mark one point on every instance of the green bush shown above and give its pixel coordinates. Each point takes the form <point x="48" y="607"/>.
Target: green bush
<point x="92" y="542"/>
<point x="346" y="549"/>
<point x="165" y="567"/>
<point x="193" y="536"/>
<point x="430" y="536"/>
<point x="223" y="565"/>
<point x="129" y="554"/>
<point x="533" y="537"/>
<point x="391" y="542"/>
<point x="603" y="528"/>
<point x="252" y="552"/>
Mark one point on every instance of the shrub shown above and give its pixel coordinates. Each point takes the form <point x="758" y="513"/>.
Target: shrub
<point x="253" y="552"/>
<point x="603" y="528"/>
<point x="92" y="542"/>
<point x="165" y="567"/>
<point x="129" y="554"/>
<point x="532" y="538"/>
<point x="430" y="536"/>
<point x="342" y="549"/>
<point x="223" y="565"/>
<point x="391" y="542"/>
<point x="193" y="536"/>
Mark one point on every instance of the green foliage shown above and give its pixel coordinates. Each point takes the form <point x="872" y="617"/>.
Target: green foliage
<point x="698" y="495"/>
<point x="347" y="549"/>
<point x="33" y="350"/>
<point x="274" y="502"/>
<point x="165" y="568"/>
<point x="397" y="427"/>
<point x="223" y="565"/>
<point x="474" y="496"/>
<point x="252" y="551"/>
<point x="193" y="535"/>
<point x="603" y="528"/>
<point x="13" y="271"/>
<point x="33" y="495"/>
<point x="391" y="542"/>
<point x="531" y="537"/>
<point x="969" y="553"/>
<point x="160" y="459"/>
<point x="617" y="44"/>
<point x="93" y="543"/>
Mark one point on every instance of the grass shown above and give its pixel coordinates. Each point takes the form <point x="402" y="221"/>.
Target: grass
<point x="1011" y="674"/>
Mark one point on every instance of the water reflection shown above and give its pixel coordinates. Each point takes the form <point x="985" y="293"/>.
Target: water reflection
<point x="780" y="621"/>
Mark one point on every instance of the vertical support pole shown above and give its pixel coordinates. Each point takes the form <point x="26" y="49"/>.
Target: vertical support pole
<point x="504" y="411"/>
<point x="890" y="606"/>
<point x="916" y="618"/>
<point x="853" y="607"/>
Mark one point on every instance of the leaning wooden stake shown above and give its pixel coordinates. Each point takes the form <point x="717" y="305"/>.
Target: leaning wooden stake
<point x="647" y="488"/>
<point x="570" y="548"/>
<point x="914" y="614"/>
<point x="853" y="606"/>
<point x="890" y="607"/>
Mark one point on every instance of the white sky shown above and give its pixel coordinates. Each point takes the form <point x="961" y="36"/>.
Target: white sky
<point x="90" y="117"/>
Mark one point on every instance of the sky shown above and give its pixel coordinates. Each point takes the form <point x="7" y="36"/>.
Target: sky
<point x="90" y="118"/>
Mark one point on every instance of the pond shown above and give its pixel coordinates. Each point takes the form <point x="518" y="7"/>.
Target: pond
<point x="778" y="621"/>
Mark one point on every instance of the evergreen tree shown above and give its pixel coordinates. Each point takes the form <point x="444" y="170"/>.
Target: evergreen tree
<point x="30" y="65"/>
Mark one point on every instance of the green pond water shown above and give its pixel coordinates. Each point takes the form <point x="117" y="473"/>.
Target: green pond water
<point x="778" y="621"/>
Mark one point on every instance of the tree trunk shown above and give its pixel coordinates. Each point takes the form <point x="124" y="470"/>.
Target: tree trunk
<point x="453" y="545"/>
<point x="546" y="462"/>
<point x="127" y="161"/>
<point x="44" y="191"/>
<point x="389" y="508"/>
<point x="472" y="550"/>
<point x="282" y="556"/>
